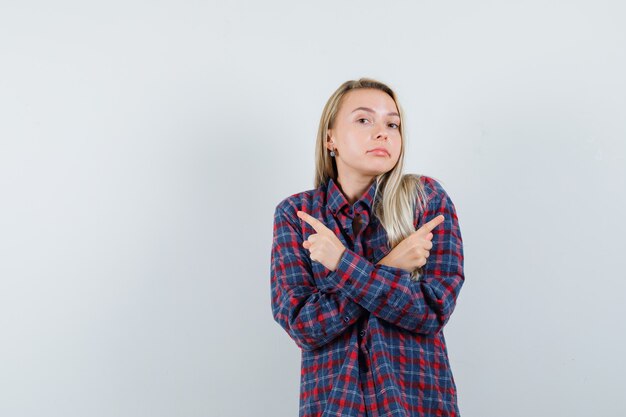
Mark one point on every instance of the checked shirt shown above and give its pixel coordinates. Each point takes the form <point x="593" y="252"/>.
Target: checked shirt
<point x="371" y="339"/>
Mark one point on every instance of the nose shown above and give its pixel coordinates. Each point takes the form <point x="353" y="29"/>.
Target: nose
<point x="382" y="134"/>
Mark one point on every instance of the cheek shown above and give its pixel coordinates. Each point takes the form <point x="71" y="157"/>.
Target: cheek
<point x="352" y="144"/>
<point x="396" y="151"/>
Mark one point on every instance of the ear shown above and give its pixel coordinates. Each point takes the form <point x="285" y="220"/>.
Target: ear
<point x="329" y="140"/>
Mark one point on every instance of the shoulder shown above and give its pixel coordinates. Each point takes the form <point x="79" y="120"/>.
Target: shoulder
<point x="430" y="188"/>
<point x="304" y="200"/>
<point x="437" y="201"/>
<point x="434" y="188"/>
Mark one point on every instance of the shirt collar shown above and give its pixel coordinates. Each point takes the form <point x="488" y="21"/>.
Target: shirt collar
<point x="337" y="202"/>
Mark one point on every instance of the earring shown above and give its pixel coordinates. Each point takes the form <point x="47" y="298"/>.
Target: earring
<point x="332" y="153"/>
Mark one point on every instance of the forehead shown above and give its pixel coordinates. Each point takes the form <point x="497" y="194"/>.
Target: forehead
<point x="377" y="100"/>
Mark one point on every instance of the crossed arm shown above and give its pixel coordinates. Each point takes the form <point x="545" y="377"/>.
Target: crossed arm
<point x="313" y="316"/>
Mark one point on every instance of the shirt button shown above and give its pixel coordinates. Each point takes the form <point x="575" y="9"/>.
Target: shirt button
<point x="362" y="332"/>
<point x="346" y="319"/>
<point x="346" y="229"/>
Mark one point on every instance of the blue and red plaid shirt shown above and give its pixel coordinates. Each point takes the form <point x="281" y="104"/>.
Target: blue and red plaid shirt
<point x="371" y="338"/>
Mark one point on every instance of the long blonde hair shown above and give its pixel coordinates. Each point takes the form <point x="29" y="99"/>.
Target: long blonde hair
<point x="399" y="193"/>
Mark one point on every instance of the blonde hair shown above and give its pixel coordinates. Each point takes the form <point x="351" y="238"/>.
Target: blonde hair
<point x="396" y="193"/>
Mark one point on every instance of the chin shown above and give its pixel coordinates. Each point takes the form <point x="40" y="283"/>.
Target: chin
<point x="374" y="172"/>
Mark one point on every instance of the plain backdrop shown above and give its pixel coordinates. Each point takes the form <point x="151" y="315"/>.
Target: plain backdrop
<point x="145" y="144"/>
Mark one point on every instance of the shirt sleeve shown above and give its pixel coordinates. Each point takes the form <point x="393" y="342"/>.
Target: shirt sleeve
<point x="422" y="306"/>
<point x="312" y="317"/>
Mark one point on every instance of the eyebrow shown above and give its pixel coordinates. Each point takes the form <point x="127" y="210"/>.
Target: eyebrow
<point x="367" y="109"/>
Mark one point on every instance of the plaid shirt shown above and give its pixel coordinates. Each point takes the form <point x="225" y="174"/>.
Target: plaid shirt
<point x="371" y="339"/>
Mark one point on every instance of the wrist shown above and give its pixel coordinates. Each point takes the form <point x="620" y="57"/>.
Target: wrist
<point x="343" y="250"/>
<point x="385" y="261"/>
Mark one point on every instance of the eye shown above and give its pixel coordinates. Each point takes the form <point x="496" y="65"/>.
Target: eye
<point x="358" y="120"/>
<point x="396" y="126"/>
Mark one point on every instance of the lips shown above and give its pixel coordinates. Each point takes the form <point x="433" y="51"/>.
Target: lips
<point x="379" y="149"/>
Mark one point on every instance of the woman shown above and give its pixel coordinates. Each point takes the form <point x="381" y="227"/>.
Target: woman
<point x="366" y="268"/>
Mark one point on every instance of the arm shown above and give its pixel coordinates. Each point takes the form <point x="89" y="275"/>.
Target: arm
<point x="422" y="306"/>
<point x="312" y="317"/>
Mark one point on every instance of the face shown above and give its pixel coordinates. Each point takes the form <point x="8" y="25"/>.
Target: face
<point x="367" y="119"/>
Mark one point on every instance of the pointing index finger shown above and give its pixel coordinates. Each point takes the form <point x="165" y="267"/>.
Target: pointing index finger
<point x="426" y="228"/>
<point x="317" y="225"/>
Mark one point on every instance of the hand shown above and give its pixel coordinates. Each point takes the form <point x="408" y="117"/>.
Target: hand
<point x="414" y="250"/>
<point x="324" y="246"/>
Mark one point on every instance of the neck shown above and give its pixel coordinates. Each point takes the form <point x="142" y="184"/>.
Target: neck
<point x="354" y="187"/>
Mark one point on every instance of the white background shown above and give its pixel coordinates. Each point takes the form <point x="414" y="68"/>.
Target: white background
<point x="144" y="146"/>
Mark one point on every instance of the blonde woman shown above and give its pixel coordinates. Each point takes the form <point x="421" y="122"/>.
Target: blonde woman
<point x="366" y="268"/>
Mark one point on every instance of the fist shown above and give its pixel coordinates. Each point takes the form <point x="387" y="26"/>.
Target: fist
<point x="324" y="246"/>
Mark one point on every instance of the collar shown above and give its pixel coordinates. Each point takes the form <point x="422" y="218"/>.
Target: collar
<point x="337" y="202"/>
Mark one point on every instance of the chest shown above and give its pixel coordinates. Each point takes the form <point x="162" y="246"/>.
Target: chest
<point x="361" y="234"/>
